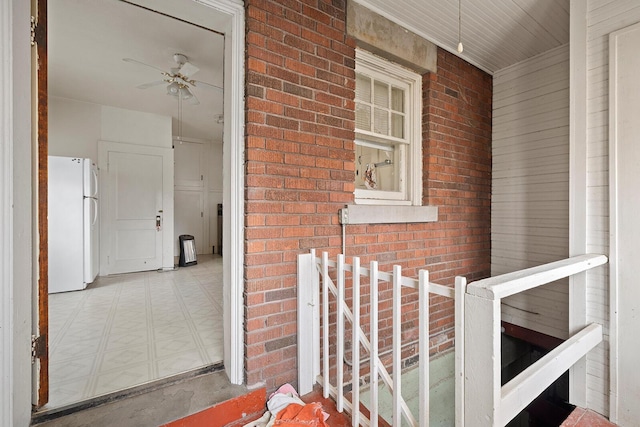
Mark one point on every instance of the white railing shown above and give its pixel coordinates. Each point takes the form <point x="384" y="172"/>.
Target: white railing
<point x="486" y="402"/>
<point x="314" y="271"/>
<point x="480" y="400"/>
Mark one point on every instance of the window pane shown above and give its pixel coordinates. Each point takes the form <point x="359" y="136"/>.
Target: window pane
<point x="376" y="168"/>
<point x="381" y="121"/>
<point x="381" y="94"/>
<point x="397" y="99"/>
<point x="363" y="88"/>
<point x="363" y="116"/>
<point x="397" y="125"/>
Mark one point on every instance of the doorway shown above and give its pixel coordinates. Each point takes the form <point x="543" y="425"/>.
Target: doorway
<point x="229" y="17"/>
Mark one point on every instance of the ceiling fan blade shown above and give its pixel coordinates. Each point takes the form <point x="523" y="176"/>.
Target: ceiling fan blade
<point x="135" y="61"/>
<point x="150" y="84"/>
<point x="205" y="84"/>
<point x="188" y="69"/>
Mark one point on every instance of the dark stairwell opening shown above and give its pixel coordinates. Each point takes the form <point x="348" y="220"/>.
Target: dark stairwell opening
<point x="521" y="348"/>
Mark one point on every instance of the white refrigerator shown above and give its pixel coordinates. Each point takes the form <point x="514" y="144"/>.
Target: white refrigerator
<point x="73" y="223"/>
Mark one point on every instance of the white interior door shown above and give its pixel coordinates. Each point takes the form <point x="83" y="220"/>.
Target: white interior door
<point x="625" y="227"/>
<point x="189" y="208"/>
<point x="134" y="209"/>
<point x="190" y="195"/>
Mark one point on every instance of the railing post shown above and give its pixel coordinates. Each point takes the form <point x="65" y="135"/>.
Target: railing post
<point x="308" y="305"/>
<point x="423" y="355"/>
<point x="482" y="388"/>
<point x="374" y="369"/>
<point x="460" y="289"/>
<point x="355" y="345"/>
<point x="340" y="281"/>
<point x="397" y="345"/>
<point x="325" y="325"/>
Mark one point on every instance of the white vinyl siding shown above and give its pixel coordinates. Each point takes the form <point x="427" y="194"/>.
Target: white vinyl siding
<point x="530" y="189"/>
<point x="603" y="17"/>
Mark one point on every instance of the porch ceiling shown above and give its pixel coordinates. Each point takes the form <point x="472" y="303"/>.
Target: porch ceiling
<point x="495" y="33"/>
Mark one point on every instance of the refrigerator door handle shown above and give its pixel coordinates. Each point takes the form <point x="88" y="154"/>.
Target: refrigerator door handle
<point x="95" y="211"/>
<point x="95" y="182"/>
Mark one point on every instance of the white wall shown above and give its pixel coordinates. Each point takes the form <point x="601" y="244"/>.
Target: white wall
<point x="135" y="127"/>
<point x="530" y="188"/>
<point x="75" y="127"/>
<point x="603" y="17"/>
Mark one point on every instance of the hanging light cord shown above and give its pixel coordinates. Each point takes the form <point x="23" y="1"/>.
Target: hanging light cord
<point x="460" y="48"/>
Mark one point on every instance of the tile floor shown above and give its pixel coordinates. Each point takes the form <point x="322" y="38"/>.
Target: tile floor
<point x="130" y="329"/>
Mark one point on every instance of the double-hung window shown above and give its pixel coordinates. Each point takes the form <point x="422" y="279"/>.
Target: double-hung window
<point x="388" y="132"/>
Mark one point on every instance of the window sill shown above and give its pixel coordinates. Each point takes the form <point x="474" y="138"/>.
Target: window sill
<point x="392" y="214"/>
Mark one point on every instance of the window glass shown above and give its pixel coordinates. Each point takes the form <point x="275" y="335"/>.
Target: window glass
<point x="388" y="144"/>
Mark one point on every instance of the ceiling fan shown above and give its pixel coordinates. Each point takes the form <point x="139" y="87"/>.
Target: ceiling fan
<point x="178" y="79"/>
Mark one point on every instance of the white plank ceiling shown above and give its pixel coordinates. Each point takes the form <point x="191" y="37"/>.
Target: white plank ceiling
<point x="495" y="33"/>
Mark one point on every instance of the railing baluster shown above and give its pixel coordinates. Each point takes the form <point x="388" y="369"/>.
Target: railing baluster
<point x="423" y="352"/>
<point x="373" y="395"/>
<point x="397" y="340"/>
<point x="355" y="345"/>
<point x="325" y="323"/>
<point x="340" y="333"/>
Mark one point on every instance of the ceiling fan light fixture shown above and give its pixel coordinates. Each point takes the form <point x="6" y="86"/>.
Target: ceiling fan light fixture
<point x="185" y="93"/>
<point x="173" y="89"/>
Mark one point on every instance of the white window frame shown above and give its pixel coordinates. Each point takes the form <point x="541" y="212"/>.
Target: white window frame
<point x="409" y="170"/>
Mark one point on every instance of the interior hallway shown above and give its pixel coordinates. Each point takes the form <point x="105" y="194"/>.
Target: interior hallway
<point x="129" y="329"/>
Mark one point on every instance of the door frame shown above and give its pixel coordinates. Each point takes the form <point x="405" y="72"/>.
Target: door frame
<point x="16" y="179"/>
<point x="233" y="191"/>
<point x="104" y="148"/>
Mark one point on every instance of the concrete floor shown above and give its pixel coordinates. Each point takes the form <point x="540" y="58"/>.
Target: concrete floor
<point x="175" y="399"/>
<point x="441" y="393"/>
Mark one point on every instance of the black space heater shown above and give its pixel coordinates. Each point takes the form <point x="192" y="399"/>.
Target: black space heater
<point x="187" y="251"/>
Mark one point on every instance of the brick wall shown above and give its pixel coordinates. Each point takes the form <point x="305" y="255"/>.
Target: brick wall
<point x="300" y="172"/>
<point x="300" y="164"/>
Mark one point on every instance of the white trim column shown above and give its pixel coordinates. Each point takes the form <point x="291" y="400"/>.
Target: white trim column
<point x="15" y="214"/>
<point x="578" y="188"/>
